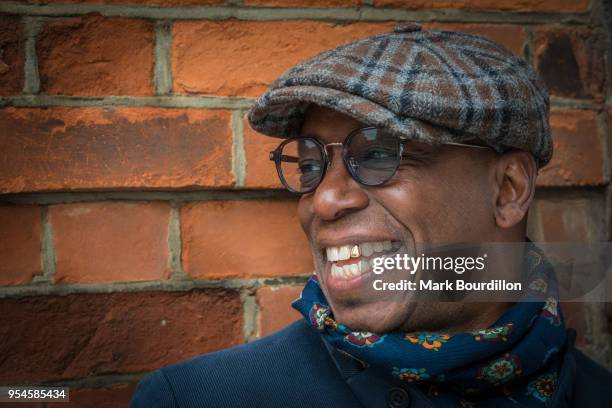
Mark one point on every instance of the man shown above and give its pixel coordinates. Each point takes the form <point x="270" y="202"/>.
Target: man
<point x="400" y="140"/>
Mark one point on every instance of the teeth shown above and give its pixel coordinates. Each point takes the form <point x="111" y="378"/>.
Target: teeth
<point x="366" y="249"/>
<point x="336" y="271"/>
<point x="344" y="253"/>
<point x="346" y="271"/>
<point x="332" y="254"/>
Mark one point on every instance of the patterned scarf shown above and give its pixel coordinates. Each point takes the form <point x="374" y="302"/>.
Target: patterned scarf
<point x="513" y="362"/>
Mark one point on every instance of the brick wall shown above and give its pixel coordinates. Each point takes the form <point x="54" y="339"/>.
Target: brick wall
<point x="140" y="220"/>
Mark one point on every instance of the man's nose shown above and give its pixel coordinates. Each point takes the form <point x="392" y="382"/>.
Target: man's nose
<point x="338" y="194"/>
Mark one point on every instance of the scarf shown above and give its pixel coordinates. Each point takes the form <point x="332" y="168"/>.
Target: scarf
<point x="514" y="362"/>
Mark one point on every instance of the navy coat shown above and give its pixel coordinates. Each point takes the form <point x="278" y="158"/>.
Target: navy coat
<point x="296" y="368"/>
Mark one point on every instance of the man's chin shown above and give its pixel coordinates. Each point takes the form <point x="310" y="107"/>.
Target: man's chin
<point x="376" y="317"/>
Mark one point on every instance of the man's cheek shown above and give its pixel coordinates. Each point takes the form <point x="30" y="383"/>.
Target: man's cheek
<point x="305" y="215"/>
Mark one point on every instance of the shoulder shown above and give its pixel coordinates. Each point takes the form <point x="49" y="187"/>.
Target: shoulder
<point x="278" y="370"/>
<point x="592" y="382"/>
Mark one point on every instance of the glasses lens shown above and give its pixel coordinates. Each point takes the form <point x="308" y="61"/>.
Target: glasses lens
<point x="301" y="165"/>
<point x="373" y="156"/>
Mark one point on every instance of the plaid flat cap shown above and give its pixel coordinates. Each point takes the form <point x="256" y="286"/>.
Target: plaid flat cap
<point x="432" y="86"/>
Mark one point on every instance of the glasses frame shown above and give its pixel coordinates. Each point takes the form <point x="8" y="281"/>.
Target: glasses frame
<point x="276" y="156"/>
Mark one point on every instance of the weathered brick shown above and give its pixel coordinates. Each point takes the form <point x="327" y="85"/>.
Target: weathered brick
<point x="304" y="3"/>
<point x="20" y="245"/>
<point x="242" y="57"/>
<point x="93" y="55"/>
<point x="513" y="5"/>
<point x="578" y="157"/>
<point x="275" y="311"/>
<point x="245" y="239"/>
<point x="570" y="61"/>
<point x="110" y="241"/>
<point x="567" y="220"/>
<point x="72" y="336"/>
<point x="11" y="55"/>
<point x="116" y="395"/>
<point x="58" y="149"/>
<point x="260" y="170"/>
<point x="162" y="3"/>
<point x="511" y="36"/>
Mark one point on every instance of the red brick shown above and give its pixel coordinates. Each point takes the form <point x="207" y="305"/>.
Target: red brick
<point x="260" y="170"/>
<point x="63" y="149"/>
<point x="11" y="55"/>
<point x="162" y="3"/>
<point x="304" y="3"/>
<point x="253" y="238"/>
<point x="275" y="311"/>
<point x="242" y="57"/>
<point x="511" y="36"/>
<point x="20" y="246"/>
<point x="110" y="241"/>
<point x="578" y="157"/>
<point x="514" y="5"/>
<point x="93" y="55"/>
<point x="567" y="220"/>
<point x="570" y="61"/>
<point x="64" y="337"/>
<point x="116" y="395"/>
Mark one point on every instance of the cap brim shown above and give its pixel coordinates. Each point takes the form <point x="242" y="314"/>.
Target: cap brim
<point x="280" y="113"/>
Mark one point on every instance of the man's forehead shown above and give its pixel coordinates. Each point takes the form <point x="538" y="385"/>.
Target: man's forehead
<point x="320" y="119"/>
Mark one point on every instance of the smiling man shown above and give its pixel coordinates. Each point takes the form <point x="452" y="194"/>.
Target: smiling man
<point x="396" y="144"/>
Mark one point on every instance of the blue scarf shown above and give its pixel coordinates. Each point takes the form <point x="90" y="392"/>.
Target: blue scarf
<point x="513" y="362"/>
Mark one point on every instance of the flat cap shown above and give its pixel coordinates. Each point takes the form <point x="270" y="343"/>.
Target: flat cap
<point x="431" y="86"/>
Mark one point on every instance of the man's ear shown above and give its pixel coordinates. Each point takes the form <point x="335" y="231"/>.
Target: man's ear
<point x="515" y="176"/>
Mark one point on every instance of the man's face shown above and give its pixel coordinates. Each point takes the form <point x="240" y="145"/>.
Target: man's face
<point x="440" y="195"/>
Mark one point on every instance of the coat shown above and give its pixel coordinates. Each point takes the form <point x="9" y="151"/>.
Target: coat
<point x="295" y="368"/>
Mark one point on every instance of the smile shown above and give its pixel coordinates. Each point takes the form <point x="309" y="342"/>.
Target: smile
<point x="350" y="261"/>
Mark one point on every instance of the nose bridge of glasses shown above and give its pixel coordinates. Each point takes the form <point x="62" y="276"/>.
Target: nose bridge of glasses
<point x="331" y="144"/>
<point x="328" y="152"/>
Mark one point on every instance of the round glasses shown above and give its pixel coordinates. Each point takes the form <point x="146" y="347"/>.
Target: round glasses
<point x="370" y="155"/>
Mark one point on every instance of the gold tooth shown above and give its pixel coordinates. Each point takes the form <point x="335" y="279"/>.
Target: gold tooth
<point x="355" y="252"/>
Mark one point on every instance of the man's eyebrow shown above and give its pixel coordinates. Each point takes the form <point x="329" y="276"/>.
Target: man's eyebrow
<point x="419" y="146"/>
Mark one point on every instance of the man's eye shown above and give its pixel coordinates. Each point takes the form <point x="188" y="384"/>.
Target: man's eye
<point x="309" y="166"/>
<point x="378" y="155"/>
<point x="375" y="156"/>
